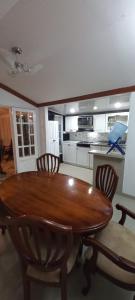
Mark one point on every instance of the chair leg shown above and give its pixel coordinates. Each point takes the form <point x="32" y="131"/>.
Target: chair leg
<point x="3" y="229"/>
<point x="87" y="274"/>
<point x="79" y="256"/>
<point x="26" y="288"/>
<point x="134" y="297"/>
<point x="64" y="290"/>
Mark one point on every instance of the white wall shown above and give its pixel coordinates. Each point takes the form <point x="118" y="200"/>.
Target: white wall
<point x="129" y="170"/>
<point x="42" y="132"/>
<point x="7" y="99"/>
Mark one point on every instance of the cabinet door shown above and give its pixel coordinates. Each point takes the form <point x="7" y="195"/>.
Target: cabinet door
<point x="65" y="152"/>
<point x="116" y="117"/>
<point x="71" y="123"/>
<point x="82" y="157"/>
<point x="69" y="153"/>
<point x="100" y="123"/>
<point x="91" y="160"/>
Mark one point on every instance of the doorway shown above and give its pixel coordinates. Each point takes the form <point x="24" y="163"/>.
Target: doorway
<point x="7" y="162"/>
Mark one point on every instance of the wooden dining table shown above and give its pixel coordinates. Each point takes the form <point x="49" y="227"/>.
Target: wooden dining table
<point x="57" y="197"/>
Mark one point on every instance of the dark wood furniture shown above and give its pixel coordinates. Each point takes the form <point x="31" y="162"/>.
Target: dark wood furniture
<point x="48" y="162"/>
<point x="1" y="157"/>
<point x="112" y="254"/>
<point x="8" y="150"/>
<point x="106" y="180"/>
<point x="59" y="198"/>
<point x="46" y="251"/>
<point x="3" y="213"/>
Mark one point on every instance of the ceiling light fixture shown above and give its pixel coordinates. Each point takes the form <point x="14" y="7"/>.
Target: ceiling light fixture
<point x="117" y="105"/>
<point x="72" y="110"/>
<point x="95" y="107"/>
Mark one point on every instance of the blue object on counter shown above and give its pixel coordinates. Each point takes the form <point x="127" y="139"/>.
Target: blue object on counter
<point x="115" y="135"/>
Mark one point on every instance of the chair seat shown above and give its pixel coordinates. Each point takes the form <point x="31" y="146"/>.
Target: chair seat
<point x="55" y="275"/>
<point x="120" y="240"/>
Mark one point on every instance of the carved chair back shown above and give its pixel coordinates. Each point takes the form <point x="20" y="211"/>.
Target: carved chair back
<point x="106" y="180"/>
<point x="48" y="162"/>
<point x="41" y="243"/>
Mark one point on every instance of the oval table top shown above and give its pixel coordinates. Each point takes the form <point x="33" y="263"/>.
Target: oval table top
<point x="57" y="197"/>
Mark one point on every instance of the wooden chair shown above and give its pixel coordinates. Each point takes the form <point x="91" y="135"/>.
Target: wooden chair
<point x="106" y="180"/>
<point x="46" y="251"/>
<point x="48" y="162"/>
<point x="112" y="254"/>
<point x="3" y="214"/>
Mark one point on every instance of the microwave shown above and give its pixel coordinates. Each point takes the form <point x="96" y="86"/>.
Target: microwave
<point x="85" y="123"/>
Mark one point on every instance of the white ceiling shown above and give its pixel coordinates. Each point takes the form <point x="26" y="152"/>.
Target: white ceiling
<point x="110" y="103"/>
<point x="85" y="46"/>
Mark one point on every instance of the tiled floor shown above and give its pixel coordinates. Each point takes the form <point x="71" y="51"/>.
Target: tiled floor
<point x="10" y="274"/>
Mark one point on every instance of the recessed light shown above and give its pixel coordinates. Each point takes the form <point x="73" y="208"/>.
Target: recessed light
<point x="117" y="105"/>
<point x="95" y="107"/>
<point x="72" y="110"/>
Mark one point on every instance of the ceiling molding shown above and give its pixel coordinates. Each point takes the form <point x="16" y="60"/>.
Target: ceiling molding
<point x="17" y="94"/>
<point x="121" y="90"/>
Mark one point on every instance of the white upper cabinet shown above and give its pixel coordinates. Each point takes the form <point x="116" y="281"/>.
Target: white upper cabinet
<point x="104" y="122"/>
<point x="112" y="118"/>
<point x="71" y="123"/>
<point x="99" y="123"/>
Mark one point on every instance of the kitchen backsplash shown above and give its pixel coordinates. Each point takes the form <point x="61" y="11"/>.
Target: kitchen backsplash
<point x="90" y="136"/>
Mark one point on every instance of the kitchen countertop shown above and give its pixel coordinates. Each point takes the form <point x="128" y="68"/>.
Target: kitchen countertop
<point x="104" y="144"/>
<point x="103" y="153"/>
<point x="69" y="141"/>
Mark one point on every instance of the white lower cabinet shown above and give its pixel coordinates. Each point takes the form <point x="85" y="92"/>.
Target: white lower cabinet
<point x="69" y="153"/>
<point x="91" y="160"/>
<point x="82" y="157"/>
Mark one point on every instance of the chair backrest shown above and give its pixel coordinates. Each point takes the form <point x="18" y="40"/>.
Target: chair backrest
<point x="48" y="162"/>
<point x="41" y="243"/>
<point x="106" y="180"/>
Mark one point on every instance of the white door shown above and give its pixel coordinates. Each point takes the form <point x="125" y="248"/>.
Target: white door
<point x="53" y="138"/>
<point x="25" y="139"/>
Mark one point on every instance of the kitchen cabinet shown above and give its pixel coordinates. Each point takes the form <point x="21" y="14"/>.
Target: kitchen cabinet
<point x="112" y="118"/>
<point x="91" y="159"/>
<point x="71" y="123"/>
<point x="99" y="123"/>
<point x="69" y="152"/>
<point x="104" y="122"/>
<point x="82" y="157"/>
